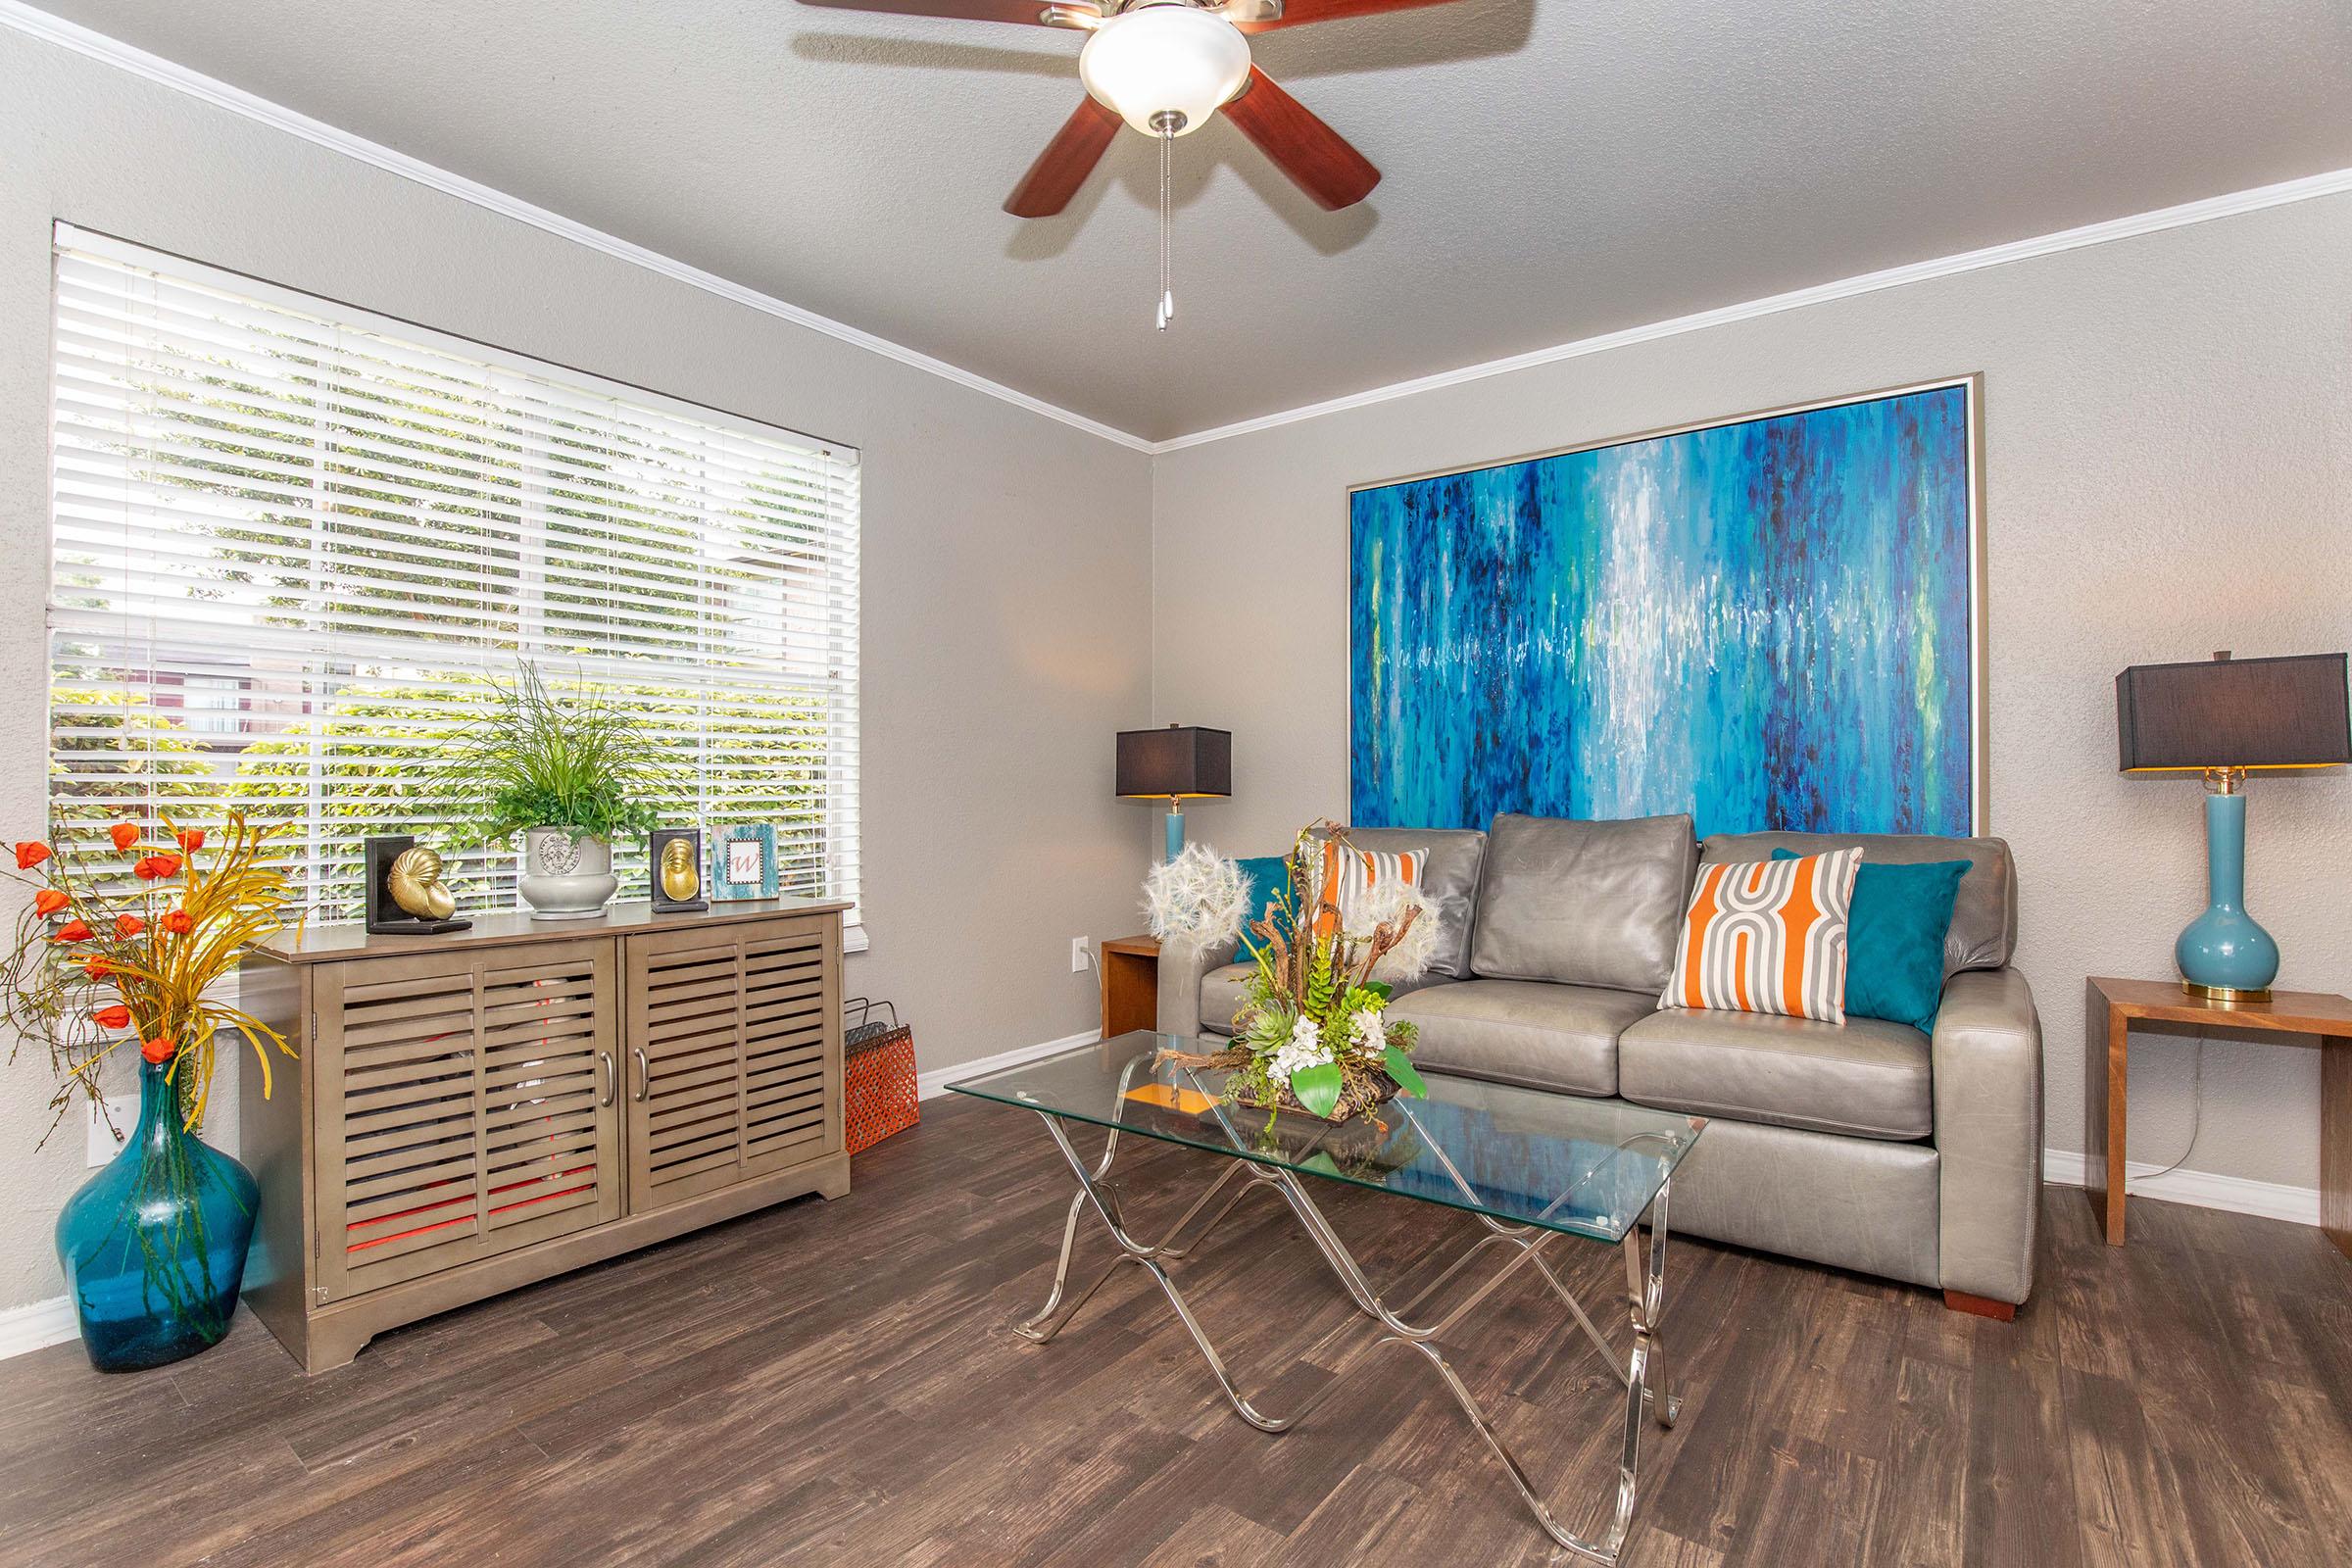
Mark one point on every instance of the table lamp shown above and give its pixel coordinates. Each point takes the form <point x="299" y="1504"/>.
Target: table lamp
<point x="2223" y="719"/>
<point x="1174" y="764"/>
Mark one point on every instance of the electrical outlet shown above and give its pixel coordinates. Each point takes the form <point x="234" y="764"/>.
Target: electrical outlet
<point x="101" y="1145"/>
<point x="1080" y="955"/>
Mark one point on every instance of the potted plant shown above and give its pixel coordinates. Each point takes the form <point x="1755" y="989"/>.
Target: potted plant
<point x="568" y="772"/>
<point x="153" y="1246"/>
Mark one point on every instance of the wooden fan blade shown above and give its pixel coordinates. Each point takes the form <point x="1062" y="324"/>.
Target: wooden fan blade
<point x="1031" y="13"/>
<point x="1298" y="13"/>
<point x="1316" y="157"/>
<point x="1065" y="163"/>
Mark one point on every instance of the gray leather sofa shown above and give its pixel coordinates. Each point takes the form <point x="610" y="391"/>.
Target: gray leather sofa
<point x="1867" y="1145"/>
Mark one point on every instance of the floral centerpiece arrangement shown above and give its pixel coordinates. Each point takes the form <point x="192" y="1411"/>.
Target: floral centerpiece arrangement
<point x="1312" y="1031"/>
<point x="154" y="1244"/>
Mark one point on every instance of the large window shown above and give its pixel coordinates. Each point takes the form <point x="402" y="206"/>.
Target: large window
<point x="294" y="541"/>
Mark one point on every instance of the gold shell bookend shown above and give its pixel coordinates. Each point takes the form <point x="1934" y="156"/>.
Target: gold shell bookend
<point x="681" y="878"/>
<point x="415" y="882"/>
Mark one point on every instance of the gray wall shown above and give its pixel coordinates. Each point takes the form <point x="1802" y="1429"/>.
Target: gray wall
<point x="1006" y="565"/>
<point x="2169" y="470"/>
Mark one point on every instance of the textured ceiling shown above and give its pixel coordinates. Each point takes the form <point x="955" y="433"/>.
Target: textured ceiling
<point x="1554" y="169"/>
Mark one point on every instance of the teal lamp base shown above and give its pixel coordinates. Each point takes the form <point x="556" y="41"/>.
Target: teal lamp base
<point x="1175" y="831"/>
<point x="2224" y="955"/>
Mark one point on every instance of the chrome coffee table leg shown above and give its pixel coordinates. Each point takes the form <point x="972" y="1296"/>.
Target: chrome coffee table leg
<point x="1146" y="1256"/>
<point x="1642" y="1372"/>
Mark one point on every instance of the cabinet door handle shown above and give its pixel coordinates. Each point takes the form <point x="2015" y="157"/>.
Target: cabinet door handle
<point x="611" y="1077"/>
<point x="645" y="1074"/>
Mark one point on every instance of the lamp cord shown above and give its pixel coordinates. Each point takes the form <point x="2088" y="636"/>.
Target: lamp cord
<point x="2196" y="1119"/>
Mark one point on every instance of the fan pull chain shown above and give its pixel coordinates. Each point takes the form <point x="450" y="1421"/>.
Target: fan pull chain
<point x="1167" y="292"/>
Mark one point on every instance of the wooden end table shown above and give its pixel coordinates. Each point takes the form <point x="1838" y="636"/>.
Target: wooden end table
<point x="2110" y="1007"/>
<point x="1130" y="967"/>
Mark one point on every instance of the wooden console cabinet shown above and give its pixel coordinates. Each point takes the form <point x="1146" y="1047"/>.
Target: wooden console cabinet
<point x="481" y="1110"/>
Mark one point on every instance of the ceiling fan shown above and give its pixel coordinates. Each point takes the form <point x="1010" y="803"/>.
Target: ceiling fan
<point x="1165" y="66"/>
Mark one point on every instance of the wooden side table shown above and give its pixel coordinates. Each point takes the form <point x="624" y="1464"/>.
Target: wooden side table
<point x="1130" y="967"/>
<point x="2295" y="1017"/>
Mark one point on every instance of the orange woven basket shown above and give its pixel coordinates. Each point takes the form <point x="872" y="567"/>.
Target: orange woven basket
<point x="878" y="1066"/>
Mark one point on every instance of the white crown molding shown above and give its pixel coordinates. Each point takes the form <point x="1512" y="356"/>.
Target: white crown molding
<point x="2332" y="183"/>
<point x="34" y="23"/>
<point x="933" y="1084"/>
<point x="2299" y="1205"/>
<point x="38" y="24"/>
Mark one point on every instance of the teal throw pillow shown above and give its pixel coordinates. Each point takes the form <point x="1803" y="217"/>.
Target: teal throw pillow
<point x="1895" y="938"/>
<point x="1267" y="876"/>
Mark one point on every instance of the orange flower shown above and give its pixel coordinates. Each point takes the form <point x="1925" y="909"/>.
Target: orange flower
<point x="114" y="1017"/>
<point x="128" y="926"/>
<point x="29" y="855"/>
<point x="49" y="900"/>
<point x="179" y="922"/>
<point x="125" y="835"/>
<point x="71" y="931"/>
<point x="191" y="839"/>
<point x="156" y="867"/>
<point x="159" y="1052"/>
<point x="97" y="967"/>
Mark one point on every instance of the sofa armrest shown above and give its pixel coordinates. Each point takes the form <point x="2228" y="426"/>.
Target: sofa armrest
<point x="1182" y="964"/>
<point x="1986" y="1054"/>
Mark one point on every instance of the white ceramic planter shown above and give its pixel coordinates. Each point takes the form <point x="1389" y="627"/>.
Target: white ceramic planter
<point x="565" y="878"/>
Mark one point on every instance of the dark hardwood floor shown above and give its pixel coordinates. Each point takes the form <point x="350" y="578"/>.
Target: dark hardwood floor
<point x="836" y="1384"/>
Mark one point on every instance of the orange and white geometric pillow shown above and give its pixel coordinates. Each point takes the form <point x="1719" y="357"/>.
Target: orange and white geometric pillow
<point x="1767" y="936"/>
<point x="1349" y="875"/>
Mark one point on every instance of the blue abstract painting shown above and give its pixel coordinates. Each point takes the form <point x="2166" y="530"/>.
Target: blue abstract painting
<point x="1767" y="623"/>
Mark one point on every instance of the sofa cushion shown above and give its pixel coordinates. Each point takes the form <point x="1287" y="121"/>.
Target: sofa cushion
<point x="1589" y="903"/>
<point x="1894" y="938"/>
<point x="1448" y="875"/>
<point x="1865" y="1078"/>
<point x="1768" y="936"/>
<point x="1268" y="876"/>
<point x="1523" y="1031"/>
<point x="1984" y="930"/>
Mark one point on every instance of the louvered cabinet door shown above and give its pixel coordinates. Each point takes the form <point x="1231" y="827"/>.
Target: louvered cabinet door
<point x="468" y="1107"/>
<point x="792" y="1106"/>
<point x="735" y="1055"/>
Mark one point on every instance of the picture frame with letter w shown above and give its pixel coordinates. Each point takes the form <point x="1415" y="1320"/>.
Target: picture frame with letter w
<point x="742" y="861"/>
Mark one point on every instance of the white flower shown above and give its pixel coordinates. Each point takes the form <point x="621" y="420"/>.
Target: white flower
<point x="1372" y="1034"/>
<point x="1304" y="1048"/>
<point x="1198" y="897"/>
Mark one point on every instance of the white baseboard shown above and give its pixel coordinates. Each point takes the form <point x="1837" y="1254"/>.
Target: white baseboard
<point x="2202" y="1189"/>
<point x="933" y="1084"/>
<point x="35" y="1324"/>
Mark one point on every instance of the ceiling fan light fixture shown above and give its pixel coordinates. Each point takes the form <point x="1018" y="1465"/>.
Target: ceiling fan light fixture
<point x="1164" y="68"/>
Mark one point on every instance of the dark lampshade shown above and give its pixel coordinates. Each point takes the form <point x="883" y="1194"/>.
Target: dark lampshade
<point x="1175" y="762"/>
<point x="2235" y="712"/>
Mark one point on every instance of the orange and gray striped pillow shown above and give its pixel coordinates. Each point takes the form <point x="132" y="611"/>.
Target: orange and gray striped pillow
<point x="1767" y="936"/>
<point x="1349" y="876"/>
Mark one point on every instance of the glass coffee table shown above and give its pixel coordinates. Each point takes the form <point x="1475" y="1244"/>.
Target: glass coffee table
<point x="1530" y="1166"/>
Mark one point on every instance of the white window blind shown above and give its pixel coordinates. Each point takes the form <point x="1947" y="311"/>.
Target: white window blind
<point x="293" y="541"/>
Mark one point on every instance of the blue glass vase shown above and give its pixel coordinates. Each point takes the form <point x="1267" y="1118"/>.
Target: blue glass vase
<point x="154" y="1244"/>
